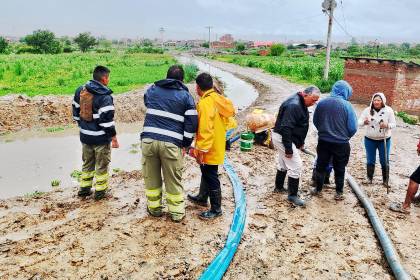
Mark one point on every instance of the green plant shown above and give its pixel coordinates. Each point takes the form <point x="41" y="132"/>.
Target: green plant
<point x="116" y="170"/>
<point x="35" y="194"/>
<point x="406" y="118"/>
<point x="76" y="174"/>
<point x="55" y="183"/>
<point x="85" y="41"/>
<point x="277" y="49"/>
<point x="4" y="45"/>
<point x="54" y="129"/>
<point x="190" y="72"/>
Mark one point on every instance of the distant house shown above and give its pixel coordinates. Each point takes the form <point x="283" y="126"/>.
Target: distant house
<point x="225" y="42"/>
<point x="308" y="46"/>
<point x="398" y="80"/>
<point x="263" y="44"/>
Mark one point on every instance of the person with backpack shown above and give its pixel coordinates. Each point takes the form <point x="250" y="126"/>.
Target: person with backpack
<point x="93" y="109"/>
<point x="169" y="127"/>
<point x="214" y="115"/>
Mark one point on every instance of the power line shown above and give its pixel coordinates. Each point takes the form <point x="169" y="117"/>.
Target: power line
<point x="342" y="12"/>
<point x="341" y="27"/>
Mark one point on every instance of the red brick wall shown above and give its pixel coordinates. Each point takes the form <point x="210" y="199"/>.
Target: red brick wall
<point x="408" y="90"/>
<point x="368" y="77"/>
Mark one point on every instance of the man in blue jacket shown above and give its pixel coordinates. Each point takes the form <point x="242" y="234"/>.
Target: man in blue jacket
<point x="93" y="109"/>
<point x="170" y="124"/>
<point x="336" y="122"/>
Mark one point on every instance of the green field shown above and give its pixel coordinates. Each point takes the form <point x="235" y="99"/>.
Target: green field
<point x="303" y="69"/>
<point x="34" y="74"/>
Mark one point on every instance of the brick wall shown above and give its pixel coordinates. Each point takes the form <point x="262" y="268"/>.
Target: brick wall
<point x="399" y="81"/>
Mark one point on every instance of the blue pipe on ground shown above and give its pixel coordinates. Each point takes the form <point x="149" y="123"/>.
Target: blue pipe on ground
<point x="383" y="237"/>
<point x="221" y="262"/>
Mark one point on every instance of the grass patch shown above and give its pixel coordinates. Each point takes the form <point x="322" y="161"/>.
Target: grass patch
<point x="55" y="183"/>
<point x="37" y="74"/>
<point x="76" y="174"/>
<point x="407" y="118"/>
<point x="299" y="69"/>
<point x="54" y="129"/>
<point x="35" y="194"/>
<point x="190" y="71"/>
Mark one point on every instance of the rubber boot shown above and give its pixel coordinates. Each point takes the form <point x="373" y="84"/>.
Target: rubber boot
<point x="216" y="206"/>
<point x="293" y="186"/>
<point x="202" y="196"/>
<point x="370" y="170"/>
<point x="385" y="175"/>
<point x="339" y="187"/>
<point x="280" y="178"/>
<point x="318" y="183"/>
<point x="327" y="178"/>
<point x="84" y="192"/>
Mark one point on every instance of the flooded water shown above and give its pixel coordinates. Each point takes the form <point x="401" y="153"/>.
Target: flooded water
<point x="31" y="160"/>
<point x="239" y="91"/>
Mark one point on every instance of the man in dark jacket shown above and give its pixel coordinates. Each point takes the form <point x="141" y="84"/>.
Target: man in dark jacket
<point x="289" y="135"/>
<point x="336" y="122"/>
<point x="93" y="109"/>
<point x="170" y="124"/>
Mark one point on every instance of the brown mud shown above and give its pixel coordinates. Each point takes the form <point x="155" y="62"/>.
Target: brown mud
<point x="60" y="236"/>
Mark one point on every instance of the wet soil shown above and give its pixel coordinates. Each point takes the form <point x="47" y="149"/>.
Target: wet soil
<point x="60" y="236"/>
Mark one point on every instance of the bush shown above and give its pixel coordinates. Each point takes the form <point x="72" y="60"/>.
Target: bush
<point x="43" y="41"/>
<point x="406" y="118"/>
<point x="190" y="72"/>
<point x="277" y="49"/>
<point x="240" y="47"/>
<point x="85" y="41"/>
<point x="4" y="45"/>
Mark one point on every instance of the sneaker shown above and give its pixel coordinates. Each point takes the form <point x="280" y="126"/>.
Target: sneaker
<point x="177" y="218"/>
<point x="398" y="207"/>
<point x="280" y="190"/>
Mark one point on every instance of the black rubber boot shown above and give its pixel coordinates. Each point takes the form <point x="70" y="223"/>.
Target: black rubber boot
<point x="327" y="178"/>
<point x="370" y="170"/>
<point x="101" y="194"/>
<point x="84" y="192"/>
<point x="216" y="206"/>
<point x="318" y="183"/>
<point x="293" y="186"/>
<point x="385" y="175"/>
<point x="202" y="196"/>
<point x="339" y="184"/>
<point x="280" y="178"/>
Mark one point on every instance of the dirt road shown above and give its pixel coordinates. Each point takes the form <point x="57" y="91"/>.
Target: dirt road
<point x="60" y="236"/>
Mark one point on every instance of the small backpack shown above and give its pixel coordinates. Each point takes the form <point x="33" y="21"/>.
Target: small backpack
<point x="86" y="105"/>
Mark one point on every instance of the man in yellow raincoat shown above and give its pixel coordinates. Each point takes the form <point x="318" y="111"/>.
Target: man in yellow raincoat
<point x="215" y="113"/>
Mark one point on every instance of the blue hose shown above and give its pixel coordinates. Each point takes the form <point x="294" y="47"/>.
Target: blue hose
<point x="221" y="262"/>
<point x="383" y="237"/>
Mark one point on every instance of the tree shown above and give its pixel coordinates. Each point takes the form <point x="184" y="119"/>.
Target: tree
<point x="85" y="41"/>
<point x="277" y="49"/>
<point x="43" y="41"/>
<point x="405" y="46"/>
<point x="3" y="45"/>
<point x="205" y="45"/>
<point x="240" y="46"/>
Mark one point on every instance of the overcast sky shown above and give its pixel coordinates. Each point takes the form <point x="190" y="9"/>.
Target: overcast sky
<point x="386" y="20"/>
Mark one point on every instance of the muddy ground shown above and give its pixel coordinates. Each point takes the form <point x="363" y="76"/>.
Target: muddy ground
<point x="60" y="236"/>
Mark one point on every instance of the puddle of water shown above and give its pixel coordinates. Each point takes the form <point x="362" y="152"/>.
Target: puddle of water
<point x="32" y="160"/>
<point x="240" y="92"/>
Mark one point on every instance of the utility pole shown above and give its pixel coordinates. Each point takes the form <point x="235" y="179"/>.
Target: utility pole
<point x="209" y="28"/>
<point x="161" y="31"/>
<point x="328" y="7"/>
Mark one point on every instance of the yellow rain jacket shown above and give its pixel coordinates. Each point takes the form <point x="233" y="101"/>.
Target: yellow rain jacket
<point x="215" y="115"/>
